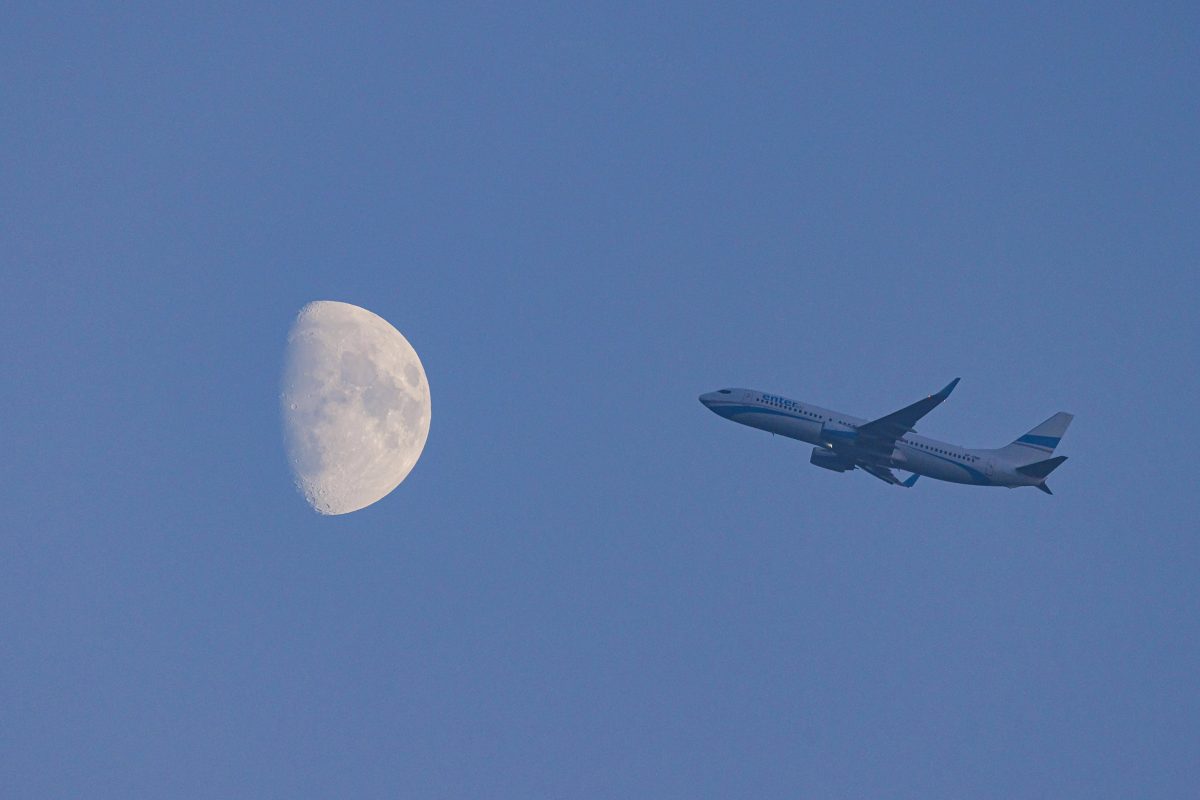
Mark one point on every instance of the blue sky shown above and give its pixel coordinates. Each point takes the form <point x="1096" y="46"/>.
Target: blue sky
<point x="590" y="586"/>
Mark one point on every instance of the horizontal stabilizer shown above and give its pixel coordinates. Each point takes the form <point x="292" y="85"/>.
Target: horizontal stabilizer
<point x="1040" y="469"/>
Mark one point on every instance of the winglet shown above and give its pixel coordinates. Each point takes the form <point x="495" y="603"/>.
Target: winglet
<point x="908" y="482"/>
<point x="944" y="393"/>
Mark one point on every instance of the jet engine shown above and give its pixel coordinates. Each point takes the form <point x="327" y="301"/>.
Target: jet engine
<point x="828" y="459"/>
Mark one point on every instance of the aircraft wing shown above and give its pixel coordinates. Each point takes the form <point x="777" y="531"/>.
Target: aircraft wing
<point x="887" y="476"/>
<point x="882" y="433"/>
<point x="883" y="473"/>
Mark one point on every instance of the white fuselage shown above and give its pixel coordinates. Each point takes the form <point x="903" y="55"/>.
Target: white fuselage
<point x="819" y="426"/>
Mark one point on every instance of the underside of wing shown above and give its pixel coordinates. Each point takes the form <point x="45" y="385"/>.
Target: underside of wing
<point x="883" y="473"/>
<point x="887" y="476"/>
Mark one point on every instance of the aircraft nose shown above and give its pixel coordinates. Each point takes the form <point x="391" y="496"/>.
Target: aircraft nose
<point x="707" y="398"/>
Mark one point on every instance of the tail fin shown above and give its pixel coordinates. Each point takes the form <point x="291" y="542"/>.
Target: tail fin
<point x="1039" y="442"/>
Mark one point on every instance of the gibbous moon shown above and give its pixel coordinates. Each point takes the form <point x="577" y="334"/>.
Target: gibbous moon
<point x="355" y="406"/>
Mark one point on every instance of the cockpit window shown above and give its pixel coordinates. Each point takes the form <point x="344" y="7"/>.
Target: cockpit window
<point x="725" y="391"/>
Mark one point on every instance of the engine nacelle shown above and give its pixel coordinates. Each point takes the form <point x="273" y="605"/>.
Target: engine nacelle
<point x="837" y="433"/>
<point x="827" y="459"/>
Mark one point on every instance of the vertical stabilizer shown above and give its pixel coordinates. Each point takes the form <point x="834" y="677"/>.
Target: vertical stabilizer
<point x="1039" y="443"/>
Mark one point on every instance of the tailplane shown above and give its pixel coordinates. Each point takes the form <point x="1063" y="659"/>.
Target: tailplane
<point x="1038" y="470"/>
<point x="1039" y="442"/>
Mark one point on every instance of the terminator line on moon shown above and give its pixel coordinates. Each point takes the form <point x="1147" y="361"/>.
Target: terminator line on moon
<point x="355" y="406"/>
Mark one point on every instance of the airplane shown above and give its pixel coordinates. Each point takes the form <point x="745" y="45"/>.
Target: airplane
<point x="844" y="442"/>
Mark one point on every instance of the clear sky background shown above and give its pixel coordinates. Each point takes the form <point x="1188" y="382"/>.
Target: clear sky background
<point x="590" y="585"/>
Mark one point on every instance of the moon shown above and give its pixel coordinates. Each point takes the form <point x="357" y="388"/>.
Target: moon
<point x="355" y="406"/>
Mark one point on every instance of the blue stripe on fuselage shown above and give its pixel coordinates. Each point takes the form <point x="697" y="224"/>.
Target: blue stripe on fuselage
<point x="729" y="410"/>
